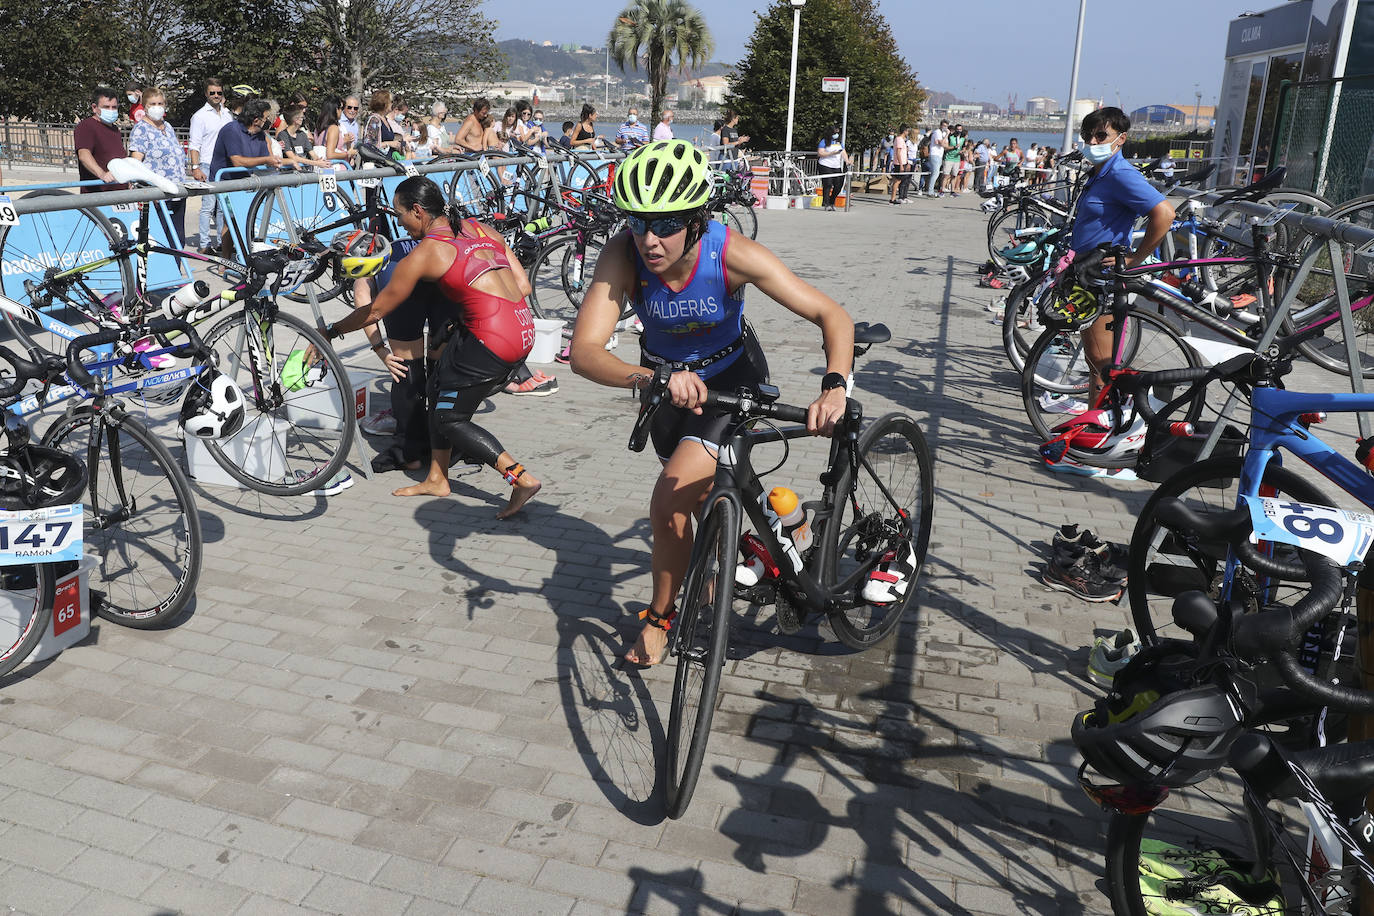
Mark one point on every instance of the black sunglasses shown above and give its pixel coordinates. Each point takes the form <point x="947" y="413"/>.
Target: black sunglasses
<point x="213" y="92"/>
<point x="1098" y="137"/>
<point x="663" y="227"/>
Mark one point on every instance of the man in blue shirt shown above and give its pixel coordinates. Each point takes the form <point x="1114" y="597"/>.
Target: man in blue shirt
<point x="242" y="143"/>
<point x="1116" y="195"/>
<point x="632" y="134"/>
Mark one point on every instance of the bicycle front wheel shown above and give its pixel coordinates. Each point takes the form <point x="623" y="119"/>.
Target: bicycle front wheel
<point x="141" y="517"/>
<point x="26" y="608"/>
<point x="703" y="629"/>
<point x="883" y="514"/>
<point x="299" y="425"/>
<point x="1160" y="569"/>
<point x="1021" y="317"/>
<point x="556" y="277"/>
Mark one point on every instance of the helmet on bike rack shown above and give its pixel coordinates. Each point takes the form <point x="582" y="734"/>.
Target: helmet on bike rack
<point x="1069" y="306"/>
<point x="296" y="375"/>
<point x="214" y="406"/>
<point x="35" y="476"/>
<point x="670" y="176"/>
<point x="1156" y="728"/>
<point x="361" y="254"/>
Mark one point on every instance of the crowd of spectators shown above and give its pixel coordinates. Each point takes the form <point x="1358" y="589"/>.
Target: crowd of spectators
<point x="943" y="161"/>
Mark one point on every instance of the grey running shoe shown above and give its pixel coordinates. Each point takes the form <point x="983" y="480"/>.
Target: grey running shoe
<point x="1109" y="655"/>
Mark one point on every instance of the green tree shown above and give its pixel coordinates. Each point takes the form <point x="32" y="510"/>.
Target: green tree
<point x="836" y="38"/>
<point x="52" y="54"/>
<point x="406" y="46"/>
<point x="660" y="33"/>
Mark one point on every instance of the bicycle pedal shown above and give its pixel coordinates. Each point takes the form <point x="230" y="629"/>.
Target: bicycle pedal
<point x="763" y="593"/>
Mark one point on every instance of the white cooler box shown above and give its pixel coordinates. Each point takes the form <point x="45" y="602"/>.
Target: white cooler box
<point x="71" y="614"/>
<point x="319" y="408"/>
<point x="251" y="449"/>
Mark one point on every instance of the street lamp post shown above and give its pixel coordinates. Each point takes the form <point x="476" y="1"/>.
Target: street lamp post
<point x="1073" y="77"/>
<point x="1197" y="108"/>
<point x="792" y="82"/>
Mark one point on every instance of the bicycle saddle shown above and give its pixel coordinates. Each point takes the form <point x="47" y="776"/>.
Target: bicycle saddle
<point x="865" y="333"/>
<point x="131" y="171"/>
<point x="1271" y="181"/>
<point x="1201" y="175"/>
<point x="369" y="153"/>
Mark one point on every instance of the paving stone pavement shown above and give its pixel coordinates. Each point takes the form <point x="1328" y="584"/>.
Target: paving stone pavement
<point x="389" y="706"/>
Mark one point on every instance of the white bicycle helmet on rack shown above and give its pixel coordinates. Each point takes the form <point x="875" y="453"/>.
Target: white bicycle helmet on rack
<point x="214" y="406"/>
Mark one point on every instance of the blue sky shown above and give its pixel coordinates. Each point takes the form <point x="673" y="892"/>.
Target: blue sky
<point x="1150" y="52"/>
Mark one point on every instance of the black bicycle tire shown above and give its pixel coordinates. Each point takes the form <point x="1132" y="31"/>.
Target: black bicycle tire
<point x="123" y="267"/>
<point x="722" y="520"/>
<point x="1029" y="396"/>
<point x="575" y="282"/>
<point x="171" y="605"/>
<point x="1017" y="309"/>
<point x="329" y="285"/>
<point x="336" y="371"/>
<point x="1023" y="216"/>
<point x="43" y="596"/>
<point x="747" y="218"/>
<point x="547" y="268"/>
<point x="851" y="634"/>
<point x="1192" y="477"/>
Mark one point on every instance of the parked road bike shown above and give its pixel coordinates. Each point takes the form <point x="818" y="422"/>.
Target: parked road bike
<point x="876" y="505"/>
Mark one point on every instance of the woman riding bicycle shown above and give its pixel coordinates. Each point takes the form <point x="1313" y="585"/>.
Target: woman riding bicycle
<point x="472" y="268"/>
<point x="685" y="275"/>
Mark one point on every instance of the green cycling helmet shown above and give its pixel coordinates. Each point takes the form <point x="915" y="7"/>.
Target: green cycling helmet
<point x="295" y="374"/>
<point x="670" y="176"/>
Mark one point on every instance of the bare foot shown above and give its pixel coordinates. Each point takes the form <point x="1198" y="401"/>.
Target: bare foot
<point x="649" y="647"/>
<point x="524" y="489"/>
<point x="426" y="487"/>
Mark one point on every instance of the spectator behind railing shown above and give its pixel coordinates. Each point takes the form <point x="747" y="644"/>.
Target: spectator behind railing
<point x="154" y="142"/>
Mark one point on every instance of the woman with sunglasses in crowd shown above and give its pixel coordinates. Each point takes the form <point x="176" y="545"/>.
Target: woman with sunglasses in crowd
<point x="685" y="275"/>
<point x="329" y="134"/>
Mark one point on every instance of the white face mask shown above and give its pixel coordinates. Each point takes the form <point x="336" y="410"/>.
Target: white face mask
<point x="1098" y="153"/>
<point x="109" y="115"/>
<point x="156" y="112"/>
<point x="133" y="99"/>
<point x="632" y="119"/>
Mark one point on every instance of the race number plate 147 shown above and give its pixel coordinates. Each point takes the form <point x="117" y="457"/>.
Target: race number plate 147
<point x="40" y="535"/>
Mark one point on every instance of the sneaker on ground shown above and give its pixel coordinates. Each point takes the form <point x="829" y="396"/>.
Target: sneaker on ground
<point x="1083" y="578"/>
<point x="337" y="484"/>
<point x="889" y="581"/>
<point x="382" y="423"/>
<point x="613" y="342"/>
<point x="537" y="385"/>
<point x="1070" y="542"/>
<point x="564" y="355"/>
<point x="1109" y="655"/>
<point x="1054" y="402"/>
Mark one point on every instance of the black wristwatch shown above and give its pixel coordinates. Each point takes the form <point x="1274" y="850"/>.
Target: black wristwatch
<point x="833" y="380"/>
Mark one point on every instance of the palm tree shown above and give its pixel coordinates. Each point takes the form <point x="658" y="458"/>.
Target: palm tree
<point x="660" y="32"/>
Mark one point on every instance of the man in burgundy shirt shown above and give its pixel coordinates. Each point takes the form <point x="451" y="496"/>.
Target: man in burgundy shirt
<point x="98" y="140"/>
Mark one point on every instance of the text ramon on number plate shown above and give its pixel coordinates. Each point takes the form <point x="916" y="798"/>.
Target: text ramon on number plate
<point x="43" y="535"/>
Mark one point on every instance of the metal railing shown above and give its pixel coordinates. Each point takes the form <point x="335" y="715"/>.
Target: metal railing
<point x="27" y="143"/>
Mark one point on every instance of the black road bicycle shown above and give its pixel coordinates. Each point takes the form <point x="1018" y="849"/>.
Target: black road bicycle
<point x="876" y="504"/>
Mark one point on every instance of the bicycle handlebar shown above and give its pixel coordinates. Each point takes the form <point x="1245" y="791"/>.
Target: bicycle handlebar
<point x="161" y="328"/>
<point x="1277" y="633"/>
<point x="745" y="404"/>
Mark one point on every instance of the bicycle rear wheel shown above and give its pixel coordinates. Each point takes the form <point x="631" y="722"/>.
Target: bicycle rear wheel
<point x="141" y="517"/>
<point x="1003" y="224"/>
<point x="26" y="607"/>
<point x="55" y="242"/>
<point x="320" y="215"/>
<point x="883" y="514"/>
<point x="703" y="629"/>
<point x="298" y="429"/>
<point x="1021" y="317"/>
<point x="1055" y="385"/>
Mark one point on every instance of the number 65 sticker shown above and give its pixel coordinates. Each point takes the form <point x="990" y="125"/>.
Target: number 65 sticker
<point x="1343" y="536"/>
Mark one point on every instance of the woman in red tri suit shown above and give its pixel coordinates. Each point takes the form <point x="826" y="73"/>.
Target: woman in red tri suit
<point x="472" y="268"/>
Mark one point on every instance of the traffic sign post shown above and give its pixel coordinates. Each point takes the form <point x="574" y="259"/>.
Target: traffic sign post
<point x="839" y="84"/>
